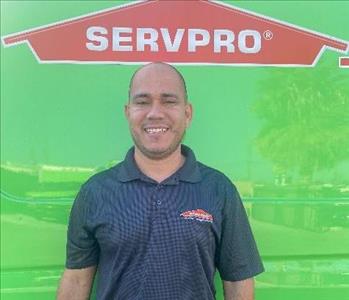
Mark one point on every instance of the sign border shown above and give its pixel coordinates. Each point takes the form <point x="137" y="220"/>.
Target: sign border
<point x="211" y="2"/>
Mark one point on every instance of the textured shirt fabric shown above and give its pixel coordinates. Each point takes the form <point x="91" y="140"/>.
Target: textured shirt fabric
<point x="158" y="241"/>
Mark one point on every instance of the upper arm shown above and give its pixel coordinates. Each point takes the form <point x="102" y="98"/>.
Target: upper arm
<point x="82" y="246"/>
<point x="76" y="283"/>
<point x="239" y="290"/>
<point x="82" y="276"/>
<point x="237" y="254"/>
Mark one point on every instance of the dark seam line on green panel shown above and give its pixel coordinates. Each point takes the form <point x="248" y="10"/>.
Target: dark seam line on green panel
<point x="305" y="257"/>
<point x="55" y="268"/>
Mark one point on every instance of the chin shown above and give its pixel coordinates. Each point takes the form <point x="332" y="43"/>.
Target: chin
<point x="157" y="152"/>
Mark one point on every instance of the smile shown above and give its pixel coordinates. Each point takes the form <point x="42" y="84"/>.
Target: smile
<point x="155" y="130"/>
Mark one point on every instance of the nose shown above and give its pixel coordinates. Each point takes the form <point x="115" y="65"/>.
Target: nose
<point x="155" y="111"/>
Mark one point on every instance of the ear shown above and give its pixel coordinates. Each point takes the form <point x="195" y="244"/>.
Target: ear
<point x="188" y="114"/>
<point x="126" y="110"/>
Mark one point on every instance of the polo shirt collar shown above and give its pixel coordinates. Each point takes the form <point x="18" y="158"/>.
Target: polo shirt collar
<point x="189" y="172"/>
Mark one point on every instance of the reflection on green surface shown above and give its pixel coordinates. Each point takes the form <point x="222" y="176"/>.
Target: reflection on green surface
<point x="44" y="181"/>
<point x="305" y="128"/>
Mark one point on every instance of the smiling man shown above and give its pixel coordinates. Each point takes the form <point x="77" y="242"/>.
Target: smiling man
<point x="159" y="224"/>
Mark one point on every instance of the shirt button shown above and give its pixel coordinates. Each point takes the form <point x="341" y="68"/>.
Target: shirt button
<point x="158" y="202"/>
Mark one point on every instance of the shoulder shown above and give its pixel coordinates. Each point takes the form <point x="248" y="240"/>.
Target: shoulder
<point x="215" y="179"/>
<point x="97" y="188"/>
<point x="210" y="174"/>
<point x="102" y="179"/>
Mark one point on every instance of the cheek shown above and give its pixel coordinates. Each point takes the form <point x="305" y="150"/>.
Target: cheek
<point x="135" y="119"/>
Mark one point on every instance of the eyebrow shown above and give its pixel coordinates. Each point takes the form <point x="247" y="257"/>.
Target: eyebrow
<point x="169" y="95"/>
<point x="147" y="95"/>
<point x="140" y="95"/>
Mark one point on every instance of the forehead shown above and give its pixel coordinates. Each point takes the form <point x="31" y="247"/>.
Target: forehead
<point x="157" y="79"/>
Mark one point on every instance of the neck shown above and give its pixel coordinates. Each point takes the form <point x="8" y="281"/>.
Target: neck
<point x="160" y="169"/>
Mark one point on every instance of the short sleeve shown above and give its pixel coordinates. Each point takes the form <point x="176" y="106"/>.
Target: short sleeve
<point x="237" y="254"/>
<point x="82" y="247"/>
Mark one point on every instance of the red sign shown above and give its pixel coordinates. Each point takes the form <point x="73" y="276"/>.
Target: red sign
<point x="344" y="62"/>
<point x="184" y="32"/>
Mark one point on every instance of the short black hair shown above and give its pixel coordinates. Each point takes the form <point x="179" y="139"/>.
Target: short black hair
<point x="162" y="63"/>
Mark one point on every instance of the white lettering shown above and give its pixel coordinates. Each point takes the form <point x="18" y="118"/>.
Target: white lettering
<point x="142" y="41"/>
<point x="117" y="38"/>
<point x="227" y="42"/>
<point x="193" y="42"/>
<point x="147" y="39"/>
<point x="169" y="45"/>
<point x="98" y="42"/>
<point x="242" y="40"/>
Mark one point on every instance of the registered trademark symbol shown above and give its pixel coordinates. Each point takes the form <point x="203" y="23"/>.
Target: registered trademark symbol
<point x="268" y="35"/>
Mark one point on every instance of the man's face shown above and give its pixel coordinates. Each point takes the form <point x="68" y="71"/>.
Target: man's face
<point x="157" y="112"/>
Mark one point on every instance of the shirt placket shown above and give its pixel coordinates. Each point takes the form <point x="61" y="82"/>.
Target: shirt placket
<point x="157" y="200"/>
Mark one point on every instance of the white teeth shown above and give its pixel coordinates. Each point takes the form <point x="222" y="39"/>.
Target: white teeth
<point x="155" y="130"/>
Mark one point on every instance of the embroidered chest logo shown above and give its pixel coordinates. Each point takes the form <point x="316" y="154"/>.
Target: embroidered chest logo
<point x="197" y="214"/>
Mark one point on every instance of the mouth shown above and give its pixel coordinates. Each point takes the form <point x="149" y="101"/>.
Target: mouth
<point x="156" y="130"/>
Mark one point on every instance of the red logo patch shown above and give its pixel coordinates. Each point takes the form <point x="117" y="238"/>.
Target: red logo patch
<point x="197" y="214"/>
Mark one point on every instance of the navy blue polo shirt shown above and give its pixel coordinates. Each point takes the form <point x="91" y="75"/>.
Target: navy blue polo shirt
<point x="158" y="241"/>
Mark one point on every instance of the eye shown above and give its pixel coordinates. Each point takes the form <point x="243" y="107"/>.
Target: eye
<point x="140" y="101"/>
<point x="170" y="101"/>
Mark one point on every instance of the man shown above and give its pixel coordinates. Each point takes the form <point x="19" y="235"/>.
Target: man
<point x="158" y="224"/>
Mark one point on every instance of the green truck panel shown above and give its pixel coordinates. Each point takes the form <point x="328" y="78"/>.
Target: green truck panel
<point x="281" y="134"/>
